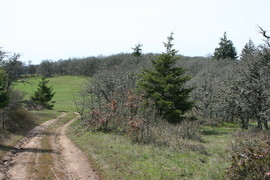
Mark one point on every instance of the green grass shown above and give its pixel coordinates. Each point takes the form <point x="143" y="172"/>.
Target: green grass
<point x="64" y="86"/>
<point x="116" y="157"/>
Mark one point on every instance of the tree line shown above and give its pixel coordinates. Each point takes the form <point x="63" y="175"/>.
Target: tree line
<point x="222" y="85"/>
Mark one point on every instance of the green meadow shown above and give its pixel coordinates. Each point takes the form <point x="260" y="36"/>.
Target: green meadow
<point x="65" y="87"/>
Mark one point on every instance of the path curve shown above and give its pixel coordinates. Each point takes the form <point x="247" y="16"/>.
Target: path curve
<point x="76" y="163"/>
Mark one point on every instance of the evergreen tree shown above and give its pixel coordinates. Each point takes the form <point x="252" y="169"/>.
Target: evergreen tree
<point x="44" y="94"/>
<point x="163" y="85"/>
<point x="137" y="50"/>
<point x="225" y="49"/>
<point x="4" y="93"/>
<point x="249" y="50"/>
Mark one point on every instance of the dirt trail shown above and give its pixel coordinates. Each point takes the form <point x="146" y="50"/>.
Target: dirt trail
<point x="47" y="153"/>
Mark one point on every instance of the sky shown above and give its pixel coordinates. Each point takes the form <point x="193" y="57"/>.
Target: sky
<point x="61" y="29"/>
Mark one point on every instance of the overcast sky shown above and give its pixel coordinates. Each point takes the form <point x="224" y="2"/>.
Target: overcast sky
<point x="60" y="29"/>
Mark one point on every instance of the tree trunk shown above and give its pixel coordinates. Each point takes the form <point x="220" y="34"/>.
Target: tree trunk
<point x="3" y="121"/>
<point x="265" y="122"/>
<point x="160" y="112"/>
<point x="245" y="123"/>
<point x="259" y="126"/>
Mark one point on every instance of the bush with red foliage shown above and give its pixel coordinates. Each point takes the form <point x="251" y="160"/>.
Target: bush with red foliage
<point x="251" y="156"/>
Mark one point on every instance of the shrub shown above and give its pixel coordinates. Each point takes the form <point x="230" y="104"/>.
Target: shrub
<point x="20" y="120"/>
<point x="17" y="119"/>
<point x="250" y="156"/>
<point x="175" y="136"/>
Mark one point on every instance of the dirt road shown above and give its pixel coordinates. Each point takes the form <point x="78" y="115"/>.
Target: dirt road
<point x="47" y="153"/>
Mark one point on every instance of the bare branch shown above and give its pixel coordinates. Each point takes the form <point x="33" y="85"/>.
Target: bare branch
<point x="263" y="32"/>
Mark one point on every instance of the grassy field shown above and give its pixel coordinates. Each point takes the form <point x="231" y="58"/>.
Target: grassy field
<point x="116" y="157"/>
<point x="64" y="86"/>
